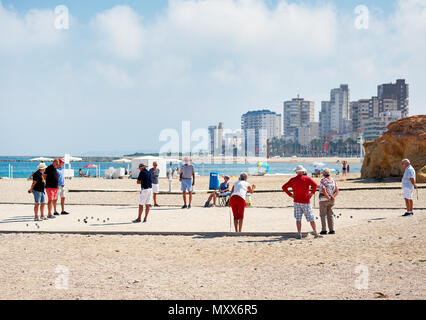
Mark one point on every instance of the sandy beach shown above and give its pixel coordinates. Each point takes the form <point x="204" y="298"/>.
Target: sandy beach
<point x="209" y="263"/>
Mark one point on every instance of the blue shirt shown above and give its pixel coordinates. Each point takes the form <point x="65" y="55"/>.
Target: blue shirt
<point x="408" y="174"/>
<point x="61" y="179"/>
<point x="223" y="186"/>
<point x="146" y="179"/>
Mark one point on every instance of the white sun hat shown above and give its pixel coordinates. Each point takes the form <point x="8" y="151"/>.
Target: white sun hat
<point x="300" y="169"/>
<point x="42" y="166"/>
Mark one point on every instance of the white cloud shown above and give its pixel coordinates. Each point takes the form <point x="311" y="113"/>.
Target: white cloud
<point x="248" y="27"/>
<point x="114" y="76"/>
<point x="121" y="31"/>
<point x="35" y="28"/>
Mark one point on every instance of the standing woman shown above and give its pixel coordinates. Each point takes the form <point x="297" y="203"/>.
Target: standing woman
<point x="238" y="202"/>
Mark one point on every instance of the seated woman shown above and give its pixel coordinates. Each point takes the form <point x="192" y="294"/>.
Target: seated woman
<point x="81" y="174"/>
<point x="224" y="191"/>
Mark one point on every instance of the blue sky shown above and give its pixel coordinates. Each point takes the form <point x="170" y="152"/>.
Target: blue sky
<point x="127" y="70"/>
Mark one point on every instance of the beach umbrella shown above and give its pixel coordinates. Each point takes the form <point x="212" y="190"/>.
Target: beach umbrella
<point x="41" y="159"/>
<point x="319" y="164"/>
<point x="90" y="166"/>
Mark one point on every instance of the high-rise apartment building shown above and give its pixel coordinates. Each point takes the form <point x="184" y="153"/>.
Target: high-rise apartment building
<point x="398" y="91"/>
<point x="258" y="127"/>
<point x="296" y="113"/>
<point x="335" y="115"/>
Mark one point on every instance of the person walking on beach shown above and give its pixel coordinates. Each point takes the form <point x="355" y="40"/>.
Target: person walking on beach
<point x="37" y="189"/>
<point x="327" y="195"/>
<point x="238" y="200"/>
<point x="224" y="191"/>
<point x="187" y="179"/>
<point x="145" y="180"/>
<point x="344" y="168"/>
<point x="302" y="198"/>
<point x="61" y="189"/>
<point x="52" y="184"/>
<point x="408" y="186"/>
<point x="155" y="173"/>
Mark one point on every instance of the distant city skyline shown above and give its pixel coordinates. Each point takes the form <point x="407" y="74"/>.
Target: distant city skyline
<point x="124" y="71"/>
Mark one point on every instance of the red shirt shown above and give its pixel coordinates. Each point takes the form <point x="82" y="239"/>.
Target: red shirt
<point x="300" y="185"/>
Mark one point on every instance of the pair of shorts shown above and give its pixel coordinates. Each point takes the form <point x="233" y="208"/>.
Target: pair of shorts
<point x="301" y="209"/>
<point x="408" y="193"/>
<point x="39" y="197"/>
<point x="155" y="188"/>
<point x="223" y="194"/>
<point x="61" y="193"/>
<point x="238" y="206"/>
<point x="145" y="198"/>
<point x="186" y="185"/>
<point x="51" y="193"/>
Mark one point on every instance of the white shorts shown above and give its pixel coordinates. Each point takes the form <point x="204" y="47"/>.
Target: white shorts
<point x="408" y="193"/>
<point x="155" y="188"/>
<point x="61" y="193"/>
<point x="145" y="197"/>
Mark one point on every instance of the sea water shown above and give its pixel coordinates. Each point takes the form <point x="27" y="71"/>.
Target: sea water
<point x="24" y="169"/>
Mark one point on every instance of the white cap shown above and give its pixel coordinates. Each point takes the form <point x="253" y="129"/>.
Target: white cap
<point x="300" y="169"/>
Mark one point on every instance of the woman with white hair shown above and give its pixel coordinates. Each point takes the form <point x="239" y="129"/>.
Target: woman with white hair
<point x="238" y="200"/>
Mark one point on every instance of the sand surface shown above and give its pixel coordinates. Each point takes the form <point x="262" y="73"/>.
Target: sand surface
<point x="372" y="240"/>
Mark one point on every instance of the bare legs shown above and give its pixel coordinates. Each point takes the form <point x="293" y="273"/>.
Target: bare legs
<point x="299" y="227"/>
<point x="184" y="197"/>
<point x="409" y="205"/>
<point x="147" y="207"/>
<point x="238" y="224"/>
<point x="36" y="208"/>
<point x="155" y="199"/>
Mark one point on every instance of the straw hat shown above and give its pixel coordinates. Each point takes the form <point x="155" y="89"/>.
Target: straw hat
<point x="300" y="169"/>
<point x="42" y="166"/>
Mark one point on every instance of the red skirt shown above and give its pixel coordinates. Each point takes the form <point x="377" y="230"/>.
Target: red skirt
<point x="238" y="205"/>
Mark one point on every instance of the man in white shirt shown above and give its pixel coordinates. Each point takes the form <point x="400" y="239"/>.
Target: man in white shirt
<point x="408" y="186"/>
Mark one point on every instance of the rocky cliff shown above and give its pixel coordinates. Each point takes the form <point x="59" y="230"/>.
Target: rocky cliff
<point x="405" y="138"/>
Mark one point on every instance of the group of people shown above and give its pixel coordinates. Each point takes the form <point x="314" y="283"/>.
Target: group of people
<point x="50" y="181"/>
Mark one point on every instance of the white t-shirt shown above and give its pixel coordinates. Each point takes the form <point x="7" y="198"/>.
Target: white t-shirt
<point x="240" y="188"/>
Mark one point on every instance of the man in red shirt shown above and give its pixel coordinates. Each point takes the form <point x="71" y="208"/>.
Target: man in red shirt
<point x="302" y="198"/>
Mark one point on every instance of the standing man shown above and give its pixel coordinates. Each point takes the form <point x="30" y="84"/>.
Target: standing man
<point x="52" y="184"/>
<point x="327" y="195"/>
<point x="155" y="173"/>
<point x="37" y="189"/>
<point x="187" y="179"/>
<point x="61" y="188"/>
<point x="145" y="180"/>
<point x="408" y="186"/>
<point x="302" y="198"/>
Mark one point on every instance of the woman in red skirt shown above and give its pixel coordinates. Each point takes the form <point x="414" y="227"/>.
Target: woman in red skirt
<point x="238" y="200"/>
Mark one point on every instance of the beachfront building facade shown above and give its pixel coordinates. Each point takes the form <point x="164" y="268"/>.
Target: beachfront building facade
<point x="335" y="115"/>
<point x="370" y="117"/>
<point x="398" y="91"/>
<point x="216" y="139"/>
<point x="297" y="113"/>
<point x="308" y="132"/>
<point x="259" y="127"/>
<point x="374" y="127"/>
